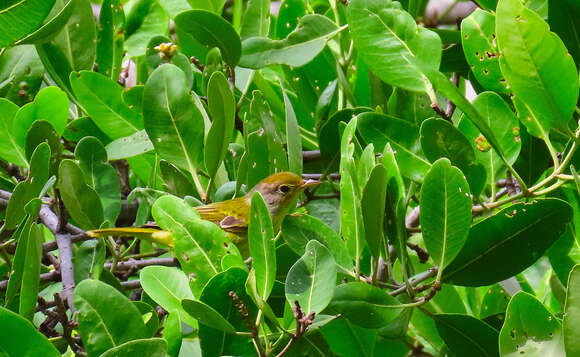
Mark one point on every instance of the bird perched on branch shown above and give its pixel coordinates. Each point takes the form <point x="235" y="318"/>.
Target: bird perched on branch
<point x="280" y="192"/>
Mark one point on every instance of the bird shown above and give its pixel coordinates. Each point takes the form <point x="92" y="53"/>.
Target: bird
<point x="280" y="192"/>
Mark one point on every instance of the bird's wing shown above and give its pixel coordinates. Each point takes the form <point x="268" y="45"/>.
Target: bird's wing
<point x="224" y="218"/>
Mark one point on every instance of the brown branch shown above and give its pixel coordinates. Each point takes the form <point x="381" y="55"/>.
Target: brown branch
<point x="138" y="264"/>
<point x="302" y="324"/>
<point x="66" y="323"/>
<point x="440" y="111"/>
<point x="243" y="310"/>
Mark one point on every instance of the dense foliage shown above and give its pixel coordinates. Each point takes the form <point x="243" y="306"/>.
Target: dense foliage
<point x="447" y="223"/>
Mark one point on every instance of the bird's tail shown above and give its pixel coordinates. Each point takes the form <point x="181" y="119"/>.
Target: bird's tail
<point x="151" y="234"/>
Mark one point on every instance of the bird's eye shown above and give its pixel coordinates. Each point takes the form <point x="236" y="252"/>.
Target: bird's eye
<point x="284" y="189"/>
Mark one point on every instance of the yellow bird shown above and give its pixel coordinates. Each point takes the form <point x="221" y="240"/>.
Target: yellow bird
<point x="280" y="192"/>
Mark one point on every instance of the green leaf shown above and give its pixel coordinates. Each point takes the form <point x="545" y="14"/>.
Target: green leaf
<point x="262" y="248"/>
<point x="51" y="104"/>
<point x="106" y="317"/>
<point x="167" y="286"/>
<point x="211" y="30"/>
<point x="20" y="65"/>
<point x="445" y="212"/>
<point x="312" y="278"/>
<point x="524" y="40"/>
<point x="347" y="339"/>
<point x="100" y="175"/>
<point x="529" y="328"/>
<point x="56" y="20"/>
<point x="29" y="189"/>
<point x="297" y="49"/>
<point x="172" y="121"/>
<point x="373" y="208"/>
<point x="110" y="39"/>
<point x="174" y="7"/>
<point x="82" y="201"/>
<point x="22" y="338"/>
<point x="150" y="347"/>
<point x="403" y="137"/>
<point x="175" y="181"/>
<point x="210" y="5"/>
<point x="298" y="230"/>
<point x="89" y="260"/>
<point x="562" y="17"/>
<point x="256" y="21"/>
<point x="206" y="315"/>
<point x="151" y="22"/>
<point x="293" y="138"/>
<point x="172" y="334"/>
<point x="217" y="293"/>
<point x="10" y="150"/>
<point x="102" y="99"/>
<point x="129" y="146"/>
<point x="22" y="18"/>
<point x="466" y="335"/>
<point x="364" y="305"/>
<point x="481" y="52"/>
<point x="222" y="109"/>
<point x="493" y="241"/>
<point x="40" y="132"/>
<point x="387" y="37"/>
<point x="572" y="312"/>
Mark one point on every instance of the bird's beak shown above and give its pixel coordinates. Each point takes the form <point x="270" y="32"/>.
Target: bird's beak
<point x="309" y="183"/>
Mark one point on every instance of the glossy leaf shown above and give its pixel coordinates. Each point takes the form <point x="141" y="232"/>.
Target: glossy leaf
<point x="106" y="317"/>
<point x="102" y="99"/>
<point x="42" y="131"/>
<point x="373" y="208"/>
<point x="364" y="305"/>
<point x="492" y="242"/>
<point x="172" y="121"/>
<point x="110" y="39"/>
<point x="572" y="312"/>
<point x="464" y="334"/>
<point x="21" y="19"/>
<point x="211" y="30"/>
<point x="256" y="19"/>
<point x="151" y="22"/>
<point x="222" y="108"/>
<point x="100" y="175"/>
<point x="153" y="347"/>
<point x="175" y="181"/>
<point x="445" y="212"/>
<point x="348" y="339"/>
<point x="293" y="138"/>
<point x="56" y="20"/>
<point x="531" y="53"/>
<point x="167" y="286"/>
<point x="387" y="37"/>
<point x="22" y="338"/>
<point x="206" y="315"/>
<point x="129" y="146"/>
<point x="18" y="65"/>
<point x="403" y="137"/>
<point x="481" y="52"/>
<point x="530" y="328"/>
<point x="297" y="49"/>
<point x="262" y="248"/>
<point x="312" y="278"/>
<point x="10" y="149"/>
<point x="82" y="201"/>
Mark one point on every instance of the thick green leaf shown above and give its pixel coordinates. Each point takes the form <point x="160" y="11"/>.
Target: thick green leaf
<point x="102" y="99"/>
<point x="100" y="175"/>
<point x="414" y="107"/>
<point x="312" y="278"/>
<point x="293" y="138"/>
<point x="481" y="52"/>
<point x="21" y="74"/>
<point x="346" y="339"/>
<point x="256" y="19"/>
<point x="262" y="248"/>
<point x="466" y="335"/>
<point x="373" y="208"/>
<point x="153" y="21"/>
<point x="218" y="294"/>
<point x="42" y="131"/>
<point x="206" y="315"/>
<point x="56" y="20"/>
<point x="297" y="231"/>
<point x="172" y="334"/>
<point x="529" y="328"/>
<point x="174" y="7"/>
<point x="572" y="313"/>
<point x="89" y="260"/>
<point x="21" y="338"/>
<point x="129" y="146"/>
<point x="175" y="181"/>
<point x="364" y="305"/>
<point x="22" y="18"/>
<point x="532" y="54"/>
<point x="51" y="104"/>
<point x="210" y="5"/>
<point x="167" y="286"/>
<point x="563" y="20"/>
<point x="10" y="149"/>
<point x="106" y="317"/>
<point x="328" y="133"/>
<point x="222" y="109"/>
<point x="403" y="137"/>
<point x="150" y="347"/>
<point x="493" y="241"/>
<point x="211" y="30"/>
<point x="110" y="39"/>
<point x="387" y="37"/>
<point x="81" y="200"/>
<point x="297" y="49"/>
<point x="445" y="212"/>
<point x="172" y="121"/>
